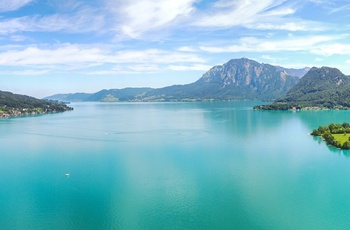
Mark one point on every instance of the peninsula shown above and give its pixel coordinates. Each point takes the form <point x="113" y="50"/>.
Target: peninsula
<point x="15" y="105"/>
<point x="337" y="135"/>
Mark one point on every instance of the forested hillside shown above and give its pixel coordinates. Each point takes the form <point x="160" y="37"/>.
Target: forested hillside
<point x="19" y="105"/>
<point x="320" y="88"/>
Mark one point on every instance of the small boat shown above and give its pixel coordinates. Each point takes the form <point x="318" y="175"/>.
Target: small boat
<point x="67" y="174"/>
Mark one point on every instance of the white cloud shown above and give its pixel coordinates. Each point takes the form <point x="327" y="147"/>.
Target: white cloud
<point x="283" y="11"/>
<point x="251" y="44"/>
<point x="29" y="72"/>
<point x="199" y="67"/>
<point x="149" y="69"/>
<point x="241" y="12"/>
<point x="187" y="49"/>
<point x="255" y="14"/>
<point x="84" y="20"/>
<point x="129" y="69"/>
<point x="63" y="55"/>
<point x="13" y="25"/>
<point x="331" y="49"/>
<point x="69" y="57"/>
<point x="320" y="1"/>
<point x="11" y="5"/>
<point x="66" y="5"/>
<point x="154" y="56"/>
<point x="295" y="25"/>
<point x="137" y="17"/>
<point x="134" y="18"/>
<point x="269" y="58"/>
<point x="18" y="38"/>
<point x="144" y="68"/>
<point x="25" y="72"/>
<point x="348" y="61"/>
<point x="342" y="8"/>
<point x="101" y="72"/>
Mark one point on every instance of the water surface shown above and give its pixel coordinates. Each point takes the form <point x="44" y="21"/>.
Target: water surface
<point x="172" y="166"/>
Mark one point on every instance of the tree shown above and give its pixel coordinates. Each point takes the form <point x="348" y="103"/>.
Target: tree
<point x="345" y="125"/>
<point x="346" y="145"/>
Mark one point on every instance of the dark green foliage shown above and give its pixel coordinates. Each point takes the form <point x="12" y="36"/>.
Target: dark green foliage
<point x="329" y="138"/>
<point x="345" y="125"/>
<point x="276" y="106"/>
<point x="326" y="132"/>
<point x="323" y="88"/>
<point x="17" y="105"/>
<point x="346" y="145"/>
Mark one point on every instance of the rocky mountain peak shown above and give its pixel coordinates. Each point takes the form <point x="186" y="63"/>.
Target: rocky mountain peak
<point x="236" y="79"/>
<point x="243" y="72"/>
<point x="332" y="75"/>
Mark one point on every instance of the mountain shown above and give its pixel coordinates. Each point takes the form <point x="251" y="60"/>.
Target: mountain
<point x="111" y="95"/>
<point x="238" y="79"/>
<point x="322" y="88"/>
<point x="71" y="97"/>
<point x="235" y="80"/>
<point x="19" y="105"/>
<point x="295" y="72"/>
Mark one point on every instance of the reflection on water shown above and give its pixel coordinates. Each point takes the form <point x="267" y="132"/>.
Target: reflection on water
<point x="215" y="165"/>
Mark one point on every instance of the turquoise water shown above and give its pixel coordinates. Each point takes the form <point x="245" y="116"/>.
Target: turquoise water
<point x="172" y="166"/>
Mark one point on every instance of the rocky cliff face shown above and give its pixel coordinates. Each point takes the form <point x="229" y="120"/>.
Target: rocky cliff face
<point x="262" y="80"/>
<point x="238" y="79"/>
<point x="320" y="88"/>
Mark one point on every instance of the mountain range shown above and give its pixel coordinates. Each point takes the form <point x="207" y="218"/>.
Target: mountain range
<point x="238" y="79"/>
<point x="320" y="88"/>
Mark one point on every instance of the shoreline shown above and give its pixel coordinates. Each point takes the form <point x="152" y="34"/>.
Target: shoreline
<point x="335" y="135"/>
<point x="30" y="112"/>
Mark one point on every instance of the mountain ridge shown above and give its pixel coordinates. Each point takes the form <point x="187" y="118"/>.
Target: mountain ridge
<point x="237" y="79"/>
<point x="320" y="88"/>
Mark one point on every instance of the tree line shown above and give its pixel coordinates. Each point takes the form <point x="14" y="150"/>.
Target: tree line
<point x="326" y="132"/>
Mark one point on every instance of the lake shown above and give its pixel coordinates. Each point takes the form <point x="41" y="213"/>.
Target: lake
<point x="217" y="165"/>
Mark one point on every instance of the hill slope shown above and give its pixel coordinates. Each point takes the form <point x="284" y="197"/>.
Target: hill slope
<point x="324" y="88"/>
<point x="110" y="95"/>
<point x="70" y="97"/>
<point x="19" y="105"/>
<point x="235" y="80"/>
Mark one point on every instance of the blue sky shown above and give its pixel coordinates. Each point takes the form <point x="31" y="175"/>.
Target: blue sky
<point x="55" y="46"/>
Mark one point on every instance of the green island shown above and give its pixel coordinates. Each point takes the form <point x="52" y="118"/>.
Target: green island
<point x="337" y="135"/>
